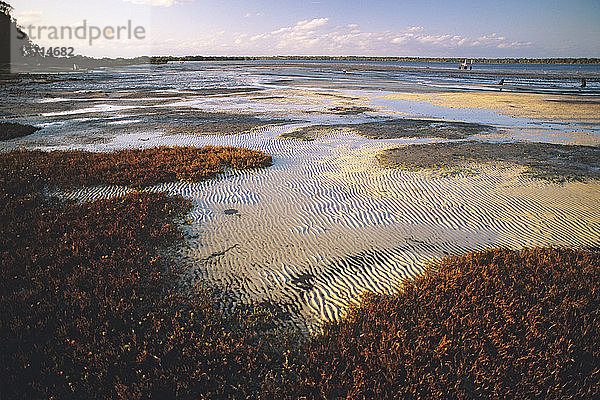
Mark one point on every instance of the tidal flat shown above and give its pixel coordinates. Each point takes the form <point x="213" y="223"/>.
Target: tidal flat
<point x="329" y="208"/>
<point x="277" y="239"/>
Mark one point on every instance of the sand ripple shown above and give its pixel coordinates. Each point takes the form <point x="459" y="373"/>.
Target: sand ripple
<point x="326" y="223"/>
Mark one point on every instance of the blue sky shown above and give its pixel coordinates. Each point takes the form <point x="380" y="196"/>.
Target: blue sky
<point x="424" y="28"/>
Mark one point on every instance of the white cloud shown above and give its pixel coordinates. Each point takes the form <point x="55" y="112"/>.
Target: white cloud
<point x="312" y="24"/>
<point x="514" y="45"/>
<point x="498" y="41"/>
<point x="240" y="39"/>
<point x="318" y="37"/>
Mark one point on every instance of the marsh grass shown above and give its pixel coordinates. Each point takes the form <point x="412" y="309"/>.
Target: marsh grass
<point x="134" y="167"/>
<point x="89" y="304"/>
<point x="494" y="324"/>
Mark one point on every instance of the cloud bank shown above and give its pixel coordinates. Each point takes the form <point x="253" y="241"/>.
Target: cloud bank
<point x="319" y="37"/>
<point x="316" y="36"/>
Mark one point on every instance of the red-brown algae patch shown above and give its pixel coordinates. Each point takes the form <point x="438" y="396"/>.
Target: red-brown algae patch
<point x="492" y="324"/>
<point x="134" y="167"/>
<point x="88" y="301"/>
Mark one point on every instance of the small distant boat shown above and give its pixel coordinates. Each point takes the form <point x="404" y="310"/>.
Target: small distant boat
<point x="77" y="68"/>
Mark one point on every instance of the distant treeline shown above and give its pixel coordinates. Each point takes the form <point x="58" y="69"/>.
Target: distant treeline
<point x="166" y="59"/>
<point x="38" y="63"/>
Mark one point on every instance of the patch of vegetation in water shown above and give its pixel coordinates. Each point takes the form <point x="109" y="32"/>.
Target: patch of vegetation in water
<point x="132" y="167"/>
<point x="491" y="324"/>
<point x="89" y="302"/>
<point x="190" y="121"/>
<point x="350" y="110"/>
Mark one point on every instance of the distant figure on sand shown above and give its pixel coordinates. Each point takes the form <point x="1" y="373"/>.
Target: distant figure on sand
<point x="583" y="83"/>
<point x="466" y="65"/>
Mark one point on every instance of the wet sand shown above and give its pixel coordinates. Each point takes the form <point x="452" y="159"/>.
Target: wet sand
<point x="326" y="222"/>
<point x="525" y="105"/>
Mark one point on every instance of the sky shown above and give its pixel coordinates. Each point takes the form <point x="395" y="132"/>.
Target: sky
<point x="423" y="28"/>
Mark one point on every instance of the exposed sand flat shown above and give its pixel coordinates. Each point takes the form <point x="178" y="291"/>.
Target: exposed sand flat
<point x="310" y="101"/>
<point x="326" y="222"/>
<point x="525" y="105"/>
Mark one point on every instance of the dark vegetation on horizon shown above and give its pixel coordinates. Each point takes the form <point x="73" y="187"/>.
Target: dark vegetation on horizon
<point x="6" y="27"/>
<point x="551" y="60"/>
<point x="90" y="308"/>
